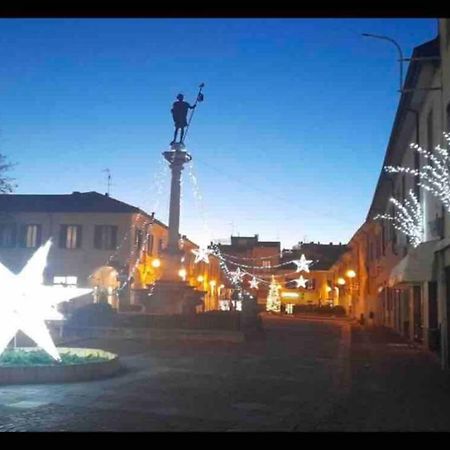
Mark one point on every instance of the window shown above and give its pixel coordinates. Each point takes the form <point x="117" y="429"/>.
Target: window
<point x="8" y="235"/>
<point x="150" y="244"/>
<point x="30" y="236"/>
<point x="105" y="237"/>
<point x="65" y="281"/>
<point x="138" y="239"/>
<point x="266" y="263"/>
<point x="430" y="140"/>
<point x="311" y="284"/>
<point x="70" y="236"/>
<point x="161" y="245"/>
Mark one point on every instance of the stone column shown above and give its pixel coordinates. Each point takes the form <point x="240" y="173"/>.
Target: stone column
<point x="171" y="295"/>
<point x="172" y="254"/>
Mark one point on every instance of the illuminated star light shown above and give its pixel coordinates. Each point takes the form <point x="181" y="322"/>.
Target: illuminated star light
<point x="253" y="283"/>
<point x="236" y="276"/>
<point x="25" y="302"/>
<point x="201" y="254"/>
<point x="302" y="264"/>
<point x="301" y="282"/>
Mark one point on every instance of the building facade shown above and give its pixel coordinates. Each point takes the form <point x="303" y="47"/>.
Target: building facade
<point x="403" y="284"/>
<point x="98" y="242"/>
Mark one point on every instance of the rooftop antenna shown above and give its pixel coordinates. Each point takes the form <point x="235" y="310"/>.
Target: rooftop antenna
<point x="108" y="181"/>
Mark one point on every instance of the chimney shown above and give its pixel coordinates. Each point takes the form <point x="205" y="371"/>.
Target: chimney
<point x="106" y="194"/>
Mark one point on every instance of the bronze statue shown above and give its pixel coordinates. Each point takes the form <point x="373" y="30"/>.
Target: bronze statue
<point x="179" y="113"/>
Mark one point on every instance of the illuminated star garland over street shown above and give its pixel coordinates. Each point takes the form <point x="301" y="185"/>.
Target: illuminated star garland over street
<point x="302" y="264"/>
<point x="301" y="282"/>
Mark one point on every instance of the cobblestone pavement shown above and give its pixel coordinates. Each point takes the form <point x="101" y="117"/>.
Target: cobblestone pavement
<point x="303" y="375"/>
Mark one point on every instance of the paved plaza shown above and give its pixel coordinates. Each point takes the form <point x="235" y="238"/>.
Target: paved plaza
<point x="302" y="375"/>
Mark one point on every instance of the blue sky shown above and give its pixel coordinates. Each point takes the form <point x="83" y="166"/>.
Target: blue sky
<point x="288" y="143"/>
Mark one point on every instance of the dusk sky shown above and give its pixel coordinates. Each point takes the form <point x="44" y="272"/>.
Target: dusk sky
<point x="288" y="143"/>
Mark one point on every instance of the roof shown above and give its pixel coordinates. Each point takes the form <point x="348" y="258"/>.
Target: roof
<point x="244" y="243"/>
<point x="323" y="255"/>
<point x="75" y="202"/>
<point x="408" y="100"/>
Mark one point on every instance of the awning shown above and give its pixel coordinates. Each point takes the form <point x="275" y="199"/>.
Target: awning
<point x="416" y="266"/>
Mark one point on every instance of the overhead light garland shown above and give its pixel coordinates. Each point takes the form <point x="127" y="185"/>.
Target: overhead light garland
<point x="303" y="264"/>
<point x="201" y="254"/>
<point x="254" y="283"/>
<point x="300" y="282"/>
<point x="408" y="219"/>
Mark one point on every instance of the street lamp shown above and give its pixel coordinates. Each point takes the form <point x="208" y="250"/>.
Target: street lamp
<point x="392" y="41"/>
<point x="351" y="274"/>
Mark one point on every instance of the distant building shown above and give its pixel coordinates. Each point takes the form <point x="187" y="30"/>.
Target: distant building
<point x="320" y="287"/>
<point x="258" y="258"/>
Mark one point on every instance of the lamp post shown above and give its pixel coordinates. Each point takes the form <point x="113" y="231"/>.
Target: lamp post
<point x="351" y="274"/>
<point x="399" y="49"/>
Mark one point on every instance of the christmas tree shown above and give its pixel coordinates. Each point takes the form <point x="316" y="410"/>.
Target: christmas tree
<point x="273" y="299"/>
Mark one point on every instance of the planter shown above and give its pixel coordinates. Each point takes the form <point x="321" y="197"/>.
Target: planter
<point x="62" y="373"/>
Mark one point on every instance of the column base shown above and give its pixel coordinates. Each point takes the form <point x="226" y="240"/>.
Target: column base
<point x="173" y="297"/>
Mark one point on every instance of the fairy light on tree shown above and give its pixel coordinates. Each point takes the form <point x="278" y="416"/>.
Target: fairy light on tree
<point x="273" y="302"/>
<point x="434" y="177"/>
<point x="408" y="218"/>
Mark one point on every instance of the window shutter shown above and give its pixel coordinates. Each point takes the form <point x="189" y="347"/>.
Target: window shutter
<point x="113" y="238"/>
<point x="63" y="236"/>
<point x="98" y="236"/>
<point x="23" y="236"/>
<point x="13" y="235"/>
<point x="79" y="236"/>
<point x="39" y="235"/>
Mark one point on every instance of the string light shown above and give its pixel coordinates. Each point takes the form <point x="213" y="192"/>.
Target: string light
<point x="201" y="254"/>
<point x="409" y="218"/>
<point x="253" y="283"/>
<point x="433" y="177"/>
<point x="300" y="282"/>
<point x="273" y="302"/>
<point x="302" y="264"/>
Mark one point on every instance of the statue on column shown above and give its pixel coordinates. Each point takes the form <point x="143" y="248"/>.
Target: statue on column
<point x="179" y="113"/>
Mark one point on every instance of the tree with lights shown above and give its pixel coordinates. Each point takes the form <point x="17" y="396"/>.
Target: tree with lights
<point x="273" y="302"/>
<point x="6" y="184"/>
<point x="408" y="219"/>
<point x="434" y="176"/>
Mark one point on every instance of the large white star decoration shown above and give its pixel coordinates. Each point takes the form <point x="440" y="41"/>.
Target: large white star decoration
<point x="201" y="254"/>
<point x="301" y="282"/>
<point x="253" y="283"/>
<point x="236" y="276"/>
<point x="25" y="302"/>
<point x="302" y="264"/>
